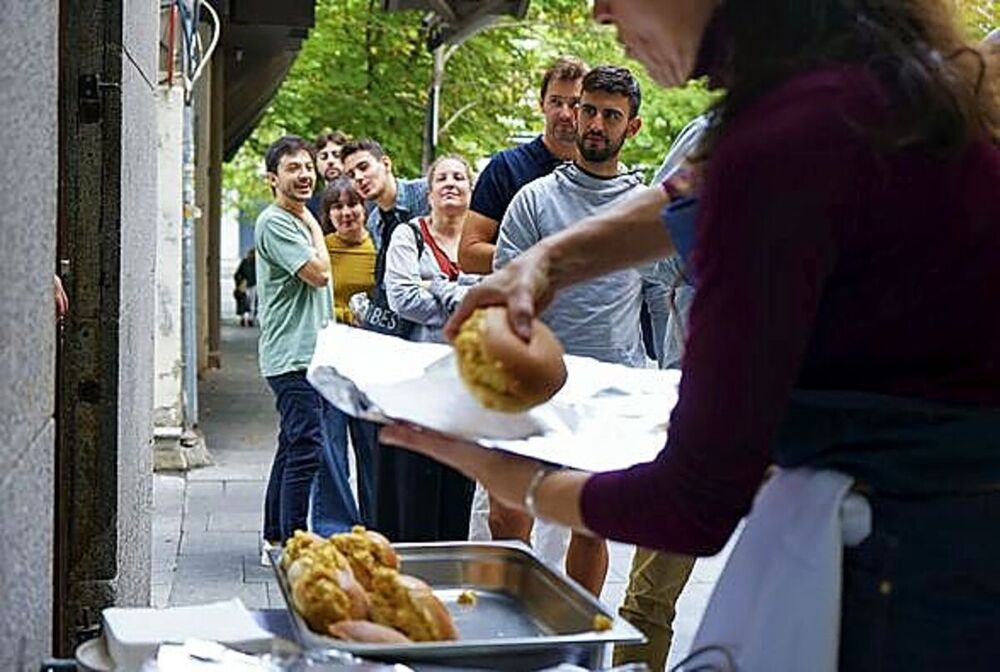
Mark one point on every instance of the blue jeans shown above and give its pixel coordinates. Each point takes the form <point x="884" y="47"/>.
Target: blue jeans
<point x="333" y="508"/>
<point x="306" y="423"/>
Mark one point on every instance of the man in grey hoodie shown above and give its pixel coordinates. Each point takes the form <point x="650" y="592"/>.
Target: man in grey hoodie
<point x="599" y="318"/>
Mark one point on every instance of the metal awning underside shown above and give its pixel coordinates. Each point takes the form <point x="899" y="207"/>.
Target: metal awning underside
<point x="261" y="39"/>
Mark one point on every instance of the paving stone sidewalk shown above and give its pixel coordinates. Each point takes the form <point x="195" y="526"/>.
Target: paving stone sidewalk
<point x="206" y="523"/>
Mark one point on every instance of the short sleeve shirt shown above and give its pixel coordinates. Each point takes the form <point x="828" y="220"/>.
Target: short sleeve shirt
<point x="291" y="312"/>
<point x="506" y="173"/>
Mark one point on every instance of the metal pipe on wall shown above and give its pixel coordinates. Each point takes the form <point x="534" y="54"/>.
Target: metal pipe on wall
<point x="189" y="339"/>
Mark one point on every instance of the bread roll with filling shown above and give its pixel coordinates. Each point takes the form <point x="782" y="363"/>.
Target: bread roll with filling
<point x="409" y="605"/>
<point x="325" y="594"/>
<point x="368" y="632"/>
<point x="365" y="550"/>
<point x="502" y="371"/>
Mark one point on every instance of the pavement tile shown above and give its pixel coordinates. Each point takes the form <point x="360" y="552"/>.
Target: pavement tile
<point x="252" y="490"/>
<point x="275" y="600"/>
<point x="244" y="521"/>
<point x="212" y="566"/>
<point x="198" y="491"/>
<point x="202" y="543"/>
<point x="238" y="500"/>
<point x="254" y="572"/>
<point x="195" y="522"/>
<point x="168" y="493"/>
<point x="254" y="595"/>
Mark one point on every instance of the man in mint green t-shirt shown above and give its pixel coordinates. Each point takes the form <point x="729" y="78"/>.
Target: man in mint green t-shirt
<point x="294" y="299"/>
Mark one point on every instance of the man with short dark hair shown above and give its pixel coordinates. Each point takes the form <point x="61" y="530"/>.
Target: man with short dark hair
<point x="599" y="318"/>
<point x="396" y="200"/>
<point x="328" y="165"/>
<point x="293" y="279"/>
<point x="513" y="168"/>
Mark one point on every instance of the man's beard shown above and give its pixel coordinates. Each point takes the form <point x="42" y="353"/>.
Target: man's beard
<point x="599" y="154"/>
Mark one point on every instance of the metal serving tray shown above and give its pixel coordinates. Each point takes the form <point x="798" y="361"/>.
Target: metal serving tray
<point x="526" y="616"/>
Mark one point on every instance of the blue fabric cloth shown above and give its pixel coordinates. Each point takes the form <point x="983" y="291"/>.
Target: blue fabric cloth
<point x="304" y="432"/>
<point x="411" y="201"/>
<point x="333" y="508"/>
<point x="506" y="173"/>
<point x="679" y="217"/>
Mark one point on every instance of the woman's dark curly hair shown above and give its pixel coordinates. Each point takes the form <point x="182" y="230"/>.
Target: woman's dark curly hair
<point x="943" y="89"/>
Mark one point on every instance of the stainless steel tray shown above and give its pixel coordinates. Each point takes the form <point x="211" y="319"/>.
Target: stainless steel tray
<point x="526" y="615"/>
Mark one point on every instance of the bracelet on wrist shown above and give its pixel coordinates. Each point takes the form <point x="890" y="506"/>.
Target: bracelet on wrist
<point x="532" y="490"/>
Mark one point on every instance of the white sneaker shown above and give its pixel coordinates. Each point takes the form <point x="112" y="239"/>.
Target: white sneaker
<point x="265" y="547"/>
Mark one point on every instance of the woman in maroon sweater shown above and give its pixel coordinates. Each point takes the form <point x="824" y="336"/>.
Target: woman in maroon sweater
<point x="847" y="313"/>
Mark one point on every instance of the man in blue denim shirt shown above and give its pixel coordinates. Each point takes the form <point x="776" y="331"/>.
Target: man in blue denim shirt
<point x="396" y="200"/>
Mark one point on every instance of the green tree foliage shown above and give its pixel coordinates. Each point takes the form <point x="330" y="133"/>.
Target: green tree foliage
<point x="367" y="72"/>
<point x="979" y="16"/>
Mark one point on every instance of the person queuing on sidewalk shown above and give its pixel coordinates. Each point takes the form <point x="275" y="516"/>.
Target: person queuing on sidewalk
<point x="599" y="318"/>
<point x="245" y="293"/>
<point x="511" y="169"/>
<point x="352" y="252"/>
<point x="395" y="201"/>
<point x="352" y="264"/>
<point x="844" y="324"/>
<point x="657" y="578"/>
<point x="293" y="270"/>
<point x="501" y="179"/>
<point x="424" y="284"/>
<point x="329" y="167"/>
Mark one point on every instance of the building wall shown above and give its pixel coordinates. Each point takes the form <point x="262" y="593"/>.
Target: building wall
<point x="28" y="122"/>
<point x="140" y="35"/>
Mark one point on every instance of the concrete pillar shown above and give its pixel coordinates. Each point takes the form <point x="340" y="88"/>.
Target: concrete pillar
<point x="168" y="413"/>
<point x="28" y="117"/>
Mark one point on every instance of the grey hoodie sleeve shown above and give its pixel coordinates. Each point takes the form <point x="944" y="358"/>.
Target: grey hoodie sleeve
<point x="656" y="295"/>
<point x="405" y="270"/>
<point x="518" y="230"/>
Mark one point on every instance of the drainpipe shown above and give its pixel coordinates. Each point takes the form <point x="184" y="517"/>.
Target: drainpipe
<point x="188" y="302"/>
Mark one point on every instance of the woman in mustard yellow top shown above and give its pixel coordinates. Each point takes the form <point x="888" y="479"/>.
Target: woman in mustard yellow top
<point x="352" y="261"/>
<point x="352" y="253"/>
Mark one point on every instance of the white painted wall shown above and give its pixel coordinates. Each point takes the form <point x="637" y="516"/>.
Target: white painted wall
<point x="229" y="258"/>
<point x="169" y="354"/>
